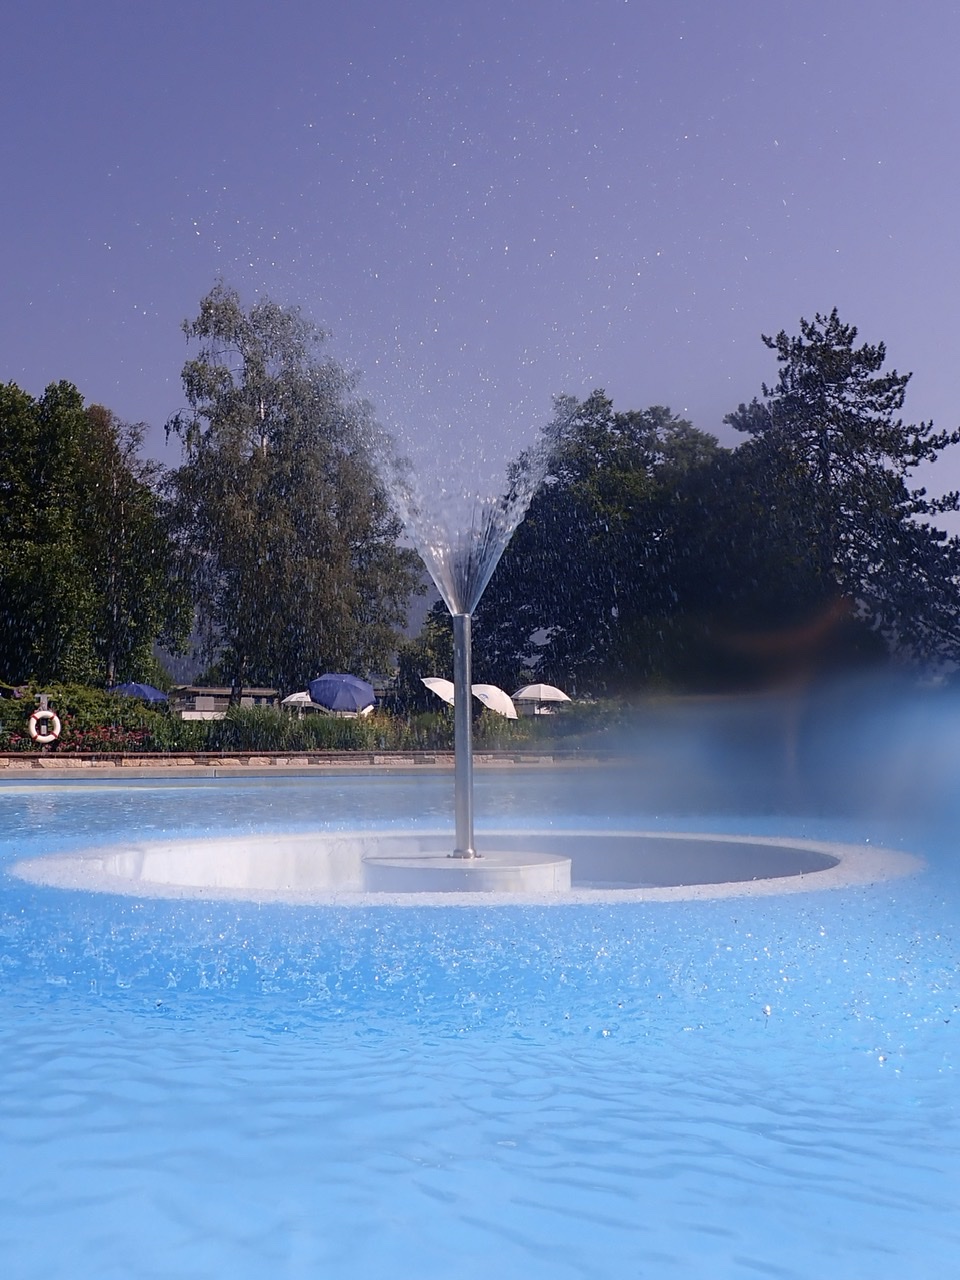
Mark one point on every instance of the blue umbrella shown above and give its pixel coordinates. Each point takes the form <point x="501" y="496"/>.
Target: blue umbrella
<point x="342" y="693"/>
<point x="145" y="692"/>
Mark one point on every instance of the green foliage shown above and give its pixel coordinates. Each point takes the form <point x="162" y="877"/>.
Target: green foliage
<point x="271" y="729"/>
<point x="285" y="531"/>
<point x="47" y="589"/>
<point x="425" y="730"/>
<point x="580" y="726"/>
<point x="596" y="557"/>
<point x="652" y="557"/>
<point x="90" y="719"/>
<point x="829" y="458"/>
<point x="649" y="557"/>
<point x="127" y="544"/>
<point x="428" y="654"/>
<point x="85" y="569"/>
<point x="97" y="722"/>
<point x="171" y="734"/>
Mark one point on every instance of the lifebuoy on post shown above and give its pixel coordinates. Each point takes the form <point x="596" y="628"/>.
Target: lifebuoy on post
<point x="49" y="718"/>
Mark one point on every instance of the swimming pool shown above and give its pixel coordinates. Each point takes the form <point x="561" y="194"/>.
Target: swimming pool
<point x="731" y="1087"/>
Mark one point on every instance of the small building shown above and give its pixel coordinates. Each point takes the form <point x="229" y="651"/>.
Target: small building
<point x="210" y="702"/>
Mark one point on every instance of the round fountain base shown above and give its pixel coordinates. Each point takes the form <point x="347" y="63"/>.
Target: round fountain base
<point x="415" y="867"/>
<point x="502" y="871"/>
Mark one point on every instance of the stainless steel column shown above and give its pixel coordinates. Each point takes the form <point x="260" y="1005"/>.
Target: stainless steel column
<point x="463" y="737"/>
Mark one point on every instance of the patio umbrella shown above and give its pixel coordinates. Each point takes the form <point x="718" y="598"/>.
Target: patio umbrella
<point x="342" y="693"/>
<point x="495" y="699"/>
<point x="540" y="693"/>
<point x="442" y="688"/>
<point x="145" y="692"/>
<point x="299" y="702"/>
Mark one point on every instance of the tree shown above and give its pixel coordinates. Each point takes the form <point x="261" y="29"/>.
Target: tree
<point x="284" y="528"/>
<point x="834" y="458"/>
<point x="125" y="540"/>
<point x="45" y="629"/>
<point x="84" y="554"/>
<point x="585" y="595"/>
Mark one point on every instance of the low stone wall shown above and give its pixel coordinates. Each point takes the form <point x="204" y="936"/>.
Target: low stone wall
<point x="147" y="764"/>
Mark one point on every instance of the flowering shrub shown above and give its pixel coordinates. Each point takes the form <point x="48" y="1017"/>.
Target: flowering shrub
<point x="109" y="737"/>
<point x="90" y="720"/>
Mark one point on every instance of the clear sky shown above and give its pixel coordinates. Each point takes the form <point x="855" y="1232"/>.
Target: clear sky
<point x="486" y="202"/>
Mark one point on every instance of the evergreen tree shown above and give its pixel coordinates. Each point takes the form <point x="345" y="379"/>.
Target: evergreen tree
<point x="833" y="458"/>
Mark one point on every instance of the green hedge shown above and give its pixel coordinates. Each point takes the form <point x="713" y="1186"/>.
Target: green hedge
<point x="101" y="722"/>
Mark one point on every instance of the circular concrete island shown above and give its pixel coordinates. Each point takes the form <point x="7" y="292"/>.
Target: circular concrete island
<point x="416" y="867"/>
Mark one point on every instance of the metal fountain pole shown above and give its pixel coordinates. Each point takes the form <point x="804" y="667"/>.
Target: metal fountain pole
<point x="463" y="738"/>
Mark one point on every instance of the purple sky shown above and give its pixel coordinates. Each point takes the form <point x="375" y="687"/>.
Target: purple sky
<point x="485" y="202"/>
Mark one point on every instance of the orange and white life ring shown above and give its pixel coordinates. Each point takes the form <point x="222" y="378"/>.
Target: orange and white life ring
<point x="50" y="734"/>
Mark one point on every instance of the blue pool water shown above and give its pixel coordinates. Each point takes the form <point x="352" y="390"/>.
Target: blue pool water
<point x="728" y="1088"/>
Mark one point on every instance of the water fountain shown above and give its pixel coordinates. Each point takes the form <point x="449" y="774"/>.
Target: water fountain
<point x="461" y="542"/>
<point x="461" y="553"/>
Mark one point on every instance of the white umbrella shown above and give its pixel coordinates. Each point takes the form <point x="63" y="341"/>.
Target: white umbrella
<point x="495" y="699"/>
<point x="297" y="699"/>
<point x="540" y="693"/>
<point x="442" y="688"/>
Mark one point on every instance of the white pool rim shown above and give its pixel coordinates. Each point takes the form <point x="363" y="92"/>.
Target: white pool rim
<point x="328" y="867"/>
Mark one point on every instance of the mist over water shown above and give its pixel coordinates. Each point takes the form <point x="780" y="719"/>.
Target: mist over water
<point x="871" y="746"/>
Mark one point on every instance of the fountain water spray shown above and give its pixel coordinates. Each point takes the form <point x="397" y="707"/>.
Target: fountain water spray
<point x="460" y="538"/>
